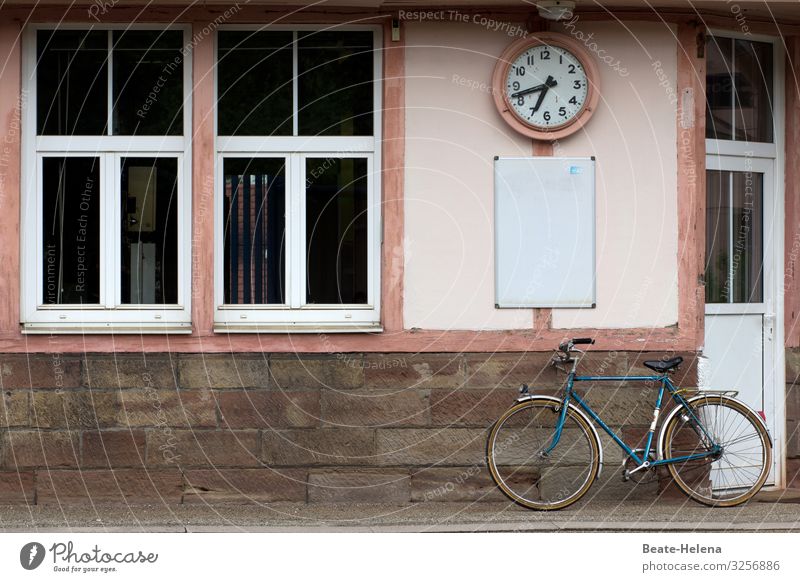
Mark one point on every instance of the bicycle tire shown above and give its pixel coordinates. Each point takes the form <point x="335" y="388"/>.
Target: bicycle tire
<point x="554" y="482"/>
<point x="735" y="474"/>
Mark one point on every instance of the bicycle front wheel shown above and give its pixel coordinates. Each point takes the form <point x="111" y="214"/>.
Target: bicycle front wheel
<point x="737" y="470"/>
<point x="524" y="469"/>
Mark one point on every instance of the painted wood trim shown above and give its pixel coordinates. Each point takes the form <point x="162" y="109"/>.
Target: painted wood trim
<point x="542" y="317"/>
<point x="691" y="130"/>
<point x="11" y="101"/>
<point x="254" y="12"/>
<point x="791" y="285"/>
<point x="202" y="252"/>
<point x="641" y="339"/>
<point x="393" y="181"/>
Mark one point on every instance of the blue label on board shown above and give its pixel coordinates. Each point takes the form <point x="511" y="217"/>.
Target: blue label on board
<point x="575" y="170"/>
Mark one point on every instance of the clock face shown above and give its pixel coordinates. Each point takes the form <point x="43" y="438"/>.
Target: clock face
<point x="546" y="86"/>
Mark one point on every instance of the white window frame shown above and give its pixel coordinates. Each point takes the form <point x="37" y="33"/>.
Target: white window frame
<point x="294" y="315"/>
<point x="110" y="315"/>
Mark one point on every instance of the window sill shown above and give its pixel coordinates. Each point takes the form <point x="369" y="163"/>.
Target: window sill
<point x="297" y="327"/>
<point x="107" y="328"/>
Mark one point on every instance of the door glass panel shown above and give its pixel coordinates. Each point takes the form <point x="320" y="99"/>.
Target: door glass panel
<point x="734" y="237"/>
<point x="71" y="227"/>
<point x="148" y="82"/>
<point x="335" y="83"/>
<point x="72" y="82"/>
<point x="748" y="238"/>
<point x="149" y="230"/>
<point x="255" y="83"/>
<point x="254" y="218"/>
<point x="336" y="230"/>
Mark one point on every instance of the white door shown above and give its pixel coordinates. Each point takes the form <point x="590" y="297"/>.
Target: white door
<point x="743" y="348"/>
<point x="741" y="299"/>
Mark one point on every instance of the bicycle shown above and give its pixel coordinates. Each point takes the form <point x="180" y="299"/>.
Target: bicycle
<point x="544" y="452"/>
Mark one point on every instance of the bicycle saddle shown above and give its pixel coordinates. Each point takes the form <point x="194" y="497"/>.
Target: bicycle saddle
<point x="663" y="365"/>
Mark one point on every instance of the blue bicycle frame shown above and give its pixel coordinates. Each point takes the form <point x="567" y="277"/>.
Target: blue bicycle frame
<point x="642" y="462"/>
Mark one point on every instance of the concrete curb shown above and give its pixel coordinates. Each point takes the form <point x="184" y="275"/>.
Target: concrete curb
<point x="538" y="527"/>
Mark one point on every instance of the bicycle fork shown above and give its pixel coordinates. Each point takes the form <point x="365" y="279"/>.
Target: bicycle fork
<point x="562" y="417"/>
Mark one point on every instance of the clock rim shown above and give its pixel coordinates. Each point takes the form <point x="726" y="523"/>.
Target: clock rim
<point x="509" y="114"/>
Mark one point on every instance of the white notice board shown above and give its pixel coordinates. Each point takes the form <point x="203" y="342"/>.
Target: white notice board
<point x="544" y="214"/>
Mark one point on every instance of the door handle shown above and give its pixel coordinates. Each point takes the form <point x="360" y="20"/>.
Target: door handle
<point x="769" y="324"/>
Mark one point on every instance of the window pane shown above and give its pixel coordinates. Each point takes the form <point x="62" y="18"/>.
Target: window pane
<point x="719" y="89"/>
<point x="739" y="87"/>
<point x="717" y="235"/>
<point x="254" y="83"/>
<point x="254" y="218"/>
<point x="734" y="237"/>
<point x="335" y="83"/>
<point x="149" y="230"/>
<point x="71" y="227"/>
<point x="748" y="251"/>
<point x="71" y="82"/>
<point x="148" y="82"/>
<point x="336" y="230"/>
<point x="753" y="79"/>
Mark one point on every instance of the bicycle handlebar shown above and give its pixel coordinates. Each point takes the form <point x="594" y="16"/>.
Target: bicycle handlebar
<point x="567" y="346"/>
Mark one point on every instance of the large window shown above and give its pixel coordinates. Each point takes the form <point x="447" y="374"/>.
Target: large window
<point x="298" y="205"/>
<point x="106" y="211"/>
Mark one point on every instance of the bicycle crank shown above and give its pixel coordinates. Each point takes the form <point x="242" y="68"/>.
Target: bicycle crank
<point x="644" y="473"/>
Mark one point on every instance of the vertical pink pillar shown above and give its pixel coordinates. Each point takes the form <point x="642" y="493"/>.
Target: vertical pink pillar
<point x="393" y="181"/>
<point x="542" y="318"/>
<point x="10" y="125"/>
<point x="203" y="178"/>
<point x="691" y="122"/>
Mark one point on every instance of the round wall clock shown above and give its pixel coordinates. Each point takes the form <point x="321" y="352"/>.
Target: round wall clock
<point x="546" y="86"/>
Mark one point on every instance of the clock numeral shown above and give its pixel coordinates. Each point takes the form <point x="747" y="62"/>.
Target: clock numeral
<point x="515" y="85"/>
<point x="521" y="100"/>
<point x="546" y="116"/>
<point x="530" y="59"/>
<point x="572" y="69"/>
<point x="520" y="71"/>
<point x="545" y="55"/>
<point x="562" y="111"/>
<point x="577" y="84"/>
<point x="573" y="100"/>
<point x="560" y="59"/>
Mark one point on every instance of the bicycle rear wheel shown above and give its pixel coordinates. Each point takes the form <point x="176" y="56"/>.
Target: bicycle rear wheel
<point x="735" y="473"/>
<point x="524" y="472"/>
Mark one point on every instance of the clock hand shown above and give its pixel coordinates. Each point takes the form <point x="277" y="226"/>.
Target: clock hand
<point x="550" y="82"/>
<point x="539" y="101"/>
<point x="530" y="90"/>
